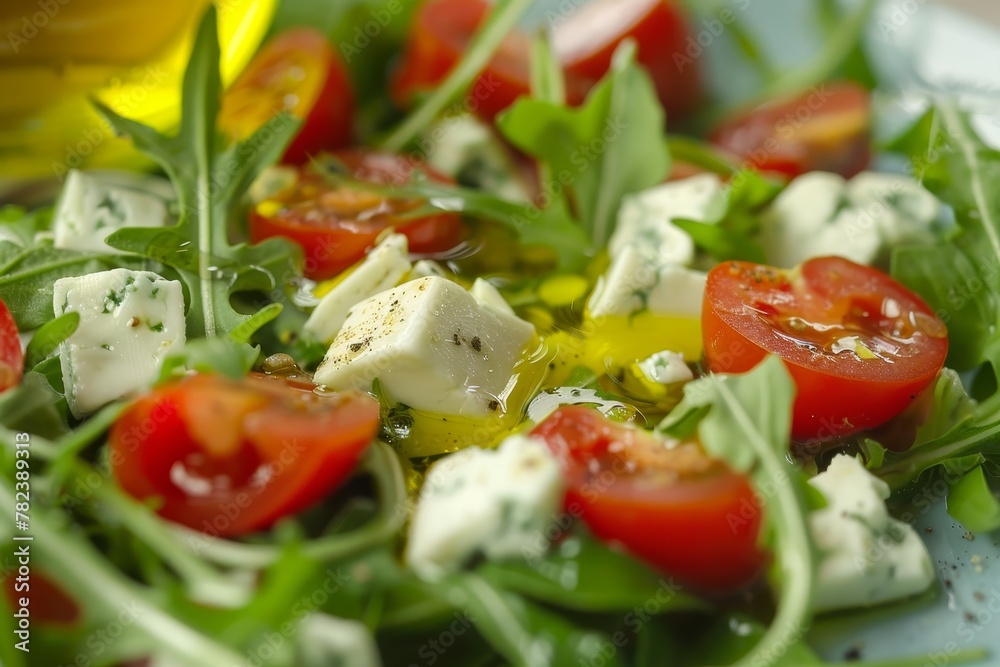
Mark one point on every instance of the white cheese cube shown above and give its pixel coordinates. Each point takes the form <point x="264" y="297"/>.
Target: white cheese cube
<point x="634" y="283"/>
<point x="487" y="295"/>
<point x="822" y="214"/>
<point x="432" y="346"/>
<point x="666" y="368"/>
<point x="497" y="502"/>
<point x="867" y="557"/>
<point x="129" y="322"/>
<point x="644" y="220"/>
<point x="380" y="270"/>
<point x="93" y="205"/>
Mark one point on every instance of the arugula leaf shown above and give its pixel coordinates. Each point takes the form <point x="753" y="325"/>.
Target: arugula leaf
<point x="33" y="406"/>
<point x="604" y="150"/>
<point x="730" y="228"/>
<point x="19" y="226"/>
<point x="745" y="420"/>
<point x="584" y="574"/>
<point x="27" y="274"/>
<point x="208" y="184"/>
<point x="973" y="503"/>
<point x="49" y="336"/>
<point x="524" y="634"/>
<point x="959" y="278"/>
<point x="224" y="356"/>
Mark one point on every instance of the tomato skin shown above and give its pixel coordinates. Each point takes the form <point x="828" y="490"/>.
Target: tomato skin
<point x="230" y="457"/>
<point x="443" y="28"/>
<point x="11" y="355"/>
<point x="49" y="605"/>
<point x="750" y="311"/>
<point x="296" y="71"/>
<point x="698" y="521"/>
<point x="437" y="41"/>
<point x="660" y="33"/>
<point x="824" y="129"/>
<point x="337" y="225"/>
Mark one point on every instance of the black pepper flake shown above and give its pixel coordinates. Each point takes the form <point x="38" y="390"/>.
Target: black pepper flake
<point x="853" y="654"/>
<point x="970" y="617"/>
<point x="477" y="344"/>
<point x="455" y="340"/>
<point x="493" y="405"/>
<point x="979" y="597"/>
<point x="357" y="347"/>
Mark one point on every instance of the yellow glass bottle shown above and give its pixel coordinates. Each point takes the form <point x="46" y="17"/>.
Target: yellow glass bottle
<point x="130" y="54"/>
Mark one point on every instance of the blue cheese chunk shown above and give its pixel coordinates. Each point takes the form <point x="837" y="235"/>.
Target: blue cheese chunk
<point x="93" y="205"/>
<point x="867" y="556"/>
<point x="665" y="368"/>
<point x="381" y="269"/>
<point x="645" y="219"/>
<point x="636" y="282"/>
<point x="495" y="502"/>
<point x="822" y="214"/>
<point x="129" y="322"/>
<point x="432" y="345"/>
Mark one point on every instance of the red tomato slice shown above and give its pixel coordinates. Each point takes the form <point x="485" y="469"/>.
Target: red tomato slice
<point x="231" y="457"/>
<point x="860" y="346"/>
<point x="674" y="507"/>
<point x="584" y="42"/>
<point x="440" y="33"/>
<point x="587" y="39"/>
<point x="824" y="129"/>
<point x="298" y="72"/>
<point x="336" y="223"/>
<point x="48" y="604"/>
<point x="11" y="355"/>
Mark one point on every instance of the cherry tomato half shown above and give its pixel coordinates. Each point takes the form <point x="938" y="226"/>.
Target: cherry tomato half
<point x="49" y="605"/>
<point x="336" y="221"/>
<point x="229" y="457"/>
<point x="672" y="506"/>
<point x="584" y="41"/>
<point x="11" y="355"/>
<point x="296" y="71"/>
<point x="860" y="346"/>
<point x="587" y="39"/>
<point x="826" y="128"/>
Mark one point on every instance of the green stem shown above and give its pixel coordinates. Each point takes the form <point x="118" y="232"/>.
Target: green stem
<point x="84" y="573"/>
<point x="793" y="549"/>
<point x="484" y="44"/>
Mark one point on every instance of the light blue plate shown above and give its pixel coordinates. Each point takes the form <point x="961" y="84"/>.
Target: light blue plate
<point x="920" y="51"/>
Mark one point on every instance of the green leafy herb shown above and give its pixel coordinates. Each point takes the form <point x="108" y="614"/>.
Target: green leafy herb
<point x="209" y="183"/>
<point x="224" y="356"/>
<point x="47" y="339"/>
<point x="745" y="420"/>
<point x="601" y="152"/>
<point x="960" y="278"/>
<point x="973" y="503"/>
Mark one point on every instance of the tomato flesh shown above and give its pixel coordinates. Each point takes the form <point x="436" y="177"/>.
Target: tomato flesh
<point x="584" y="43"/>
<point x="11" y="355"/>
<point x="297" y="72"/>
<point x="824" y="129"/>
<point x="860" y="346"/>
<point x="673" y="507"/>
<point x="337" y="222"/>
<point x="230" y="457"/>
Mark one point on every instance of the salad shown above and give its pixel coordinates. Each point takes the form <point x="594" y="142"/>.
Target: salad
<point x="432" y="340"/>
